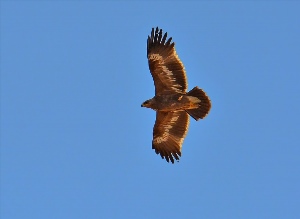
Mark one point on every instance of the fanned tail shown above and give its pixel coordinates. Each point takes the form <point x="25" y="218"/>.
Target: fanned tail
<point x="204" y="105"/>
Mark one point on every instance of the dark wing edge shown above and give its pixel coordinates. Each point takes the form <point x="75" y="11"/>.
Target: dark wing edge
<point x="165" y="66"/>
<point x="169" y="132"/>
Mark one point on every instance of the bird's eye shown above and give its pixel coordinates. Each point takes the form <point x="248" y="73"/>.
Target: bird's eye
<point x="146" y="102"/>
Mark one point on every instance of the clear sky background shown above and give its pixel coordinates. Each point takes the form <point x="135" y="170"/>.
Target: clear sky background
<point x="75" y="142"/>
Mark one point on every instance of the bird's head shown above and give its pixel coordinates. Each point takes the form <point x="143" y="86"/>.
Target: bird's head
<point x="147" y="103"/>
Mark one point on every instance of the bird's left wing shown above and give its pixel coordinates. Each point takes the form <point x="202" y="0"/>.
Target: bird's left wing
<point x="169" y="132"/>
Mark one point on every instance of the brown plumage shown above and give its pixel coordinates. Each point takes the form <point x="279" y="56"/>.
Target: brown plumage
<point x="171" y="101"/>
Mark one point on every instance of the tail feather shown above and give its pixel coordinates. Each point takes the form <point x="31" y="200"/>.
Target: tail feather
<point x="204" y="105"/>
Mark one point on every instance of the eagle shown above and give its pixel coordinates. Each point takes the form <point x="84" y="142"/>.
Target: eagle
<point x="172" y="103"/>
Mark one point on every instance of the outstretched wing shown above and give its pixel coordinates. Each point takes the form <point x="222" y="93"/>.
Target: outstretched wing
<point x="165" y="66"/>
<point x="169" y="132"/>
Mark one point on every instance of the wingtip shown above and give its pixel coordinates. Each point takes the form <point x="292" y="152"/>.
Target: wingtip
<point x="158" y="36"/>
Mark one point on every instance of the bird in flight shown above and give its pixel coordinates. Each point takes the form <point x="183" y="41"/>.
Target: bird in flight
<point x="172" y="103"/>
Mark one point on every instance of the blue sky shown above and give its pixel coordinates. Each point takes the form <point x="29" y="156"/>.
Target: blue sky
<point x="75" y="142"/>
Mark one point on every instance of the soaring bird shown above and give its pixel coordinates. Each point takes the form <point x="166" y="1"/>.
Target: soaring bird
<point x="172" y="103"/>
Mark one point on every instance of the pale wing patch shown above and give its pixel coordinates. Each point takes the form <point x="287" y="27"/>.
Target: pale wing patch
<point x="161" y="139"/>
<point x="165" y="74"/>
<point x="155" y="57"/>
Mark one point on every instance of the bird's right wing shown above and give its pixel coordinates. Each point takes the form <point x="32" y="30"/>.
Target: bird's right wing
<point x="168" y="134"/>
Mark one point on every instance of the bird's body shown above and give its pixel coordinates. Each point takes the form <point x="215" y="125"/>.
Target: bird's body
<point x="172" y="103"/>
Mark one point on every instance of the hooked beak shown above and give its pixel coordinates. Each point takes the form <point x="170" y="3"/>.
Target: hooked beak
<point x="146" y="104"/>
